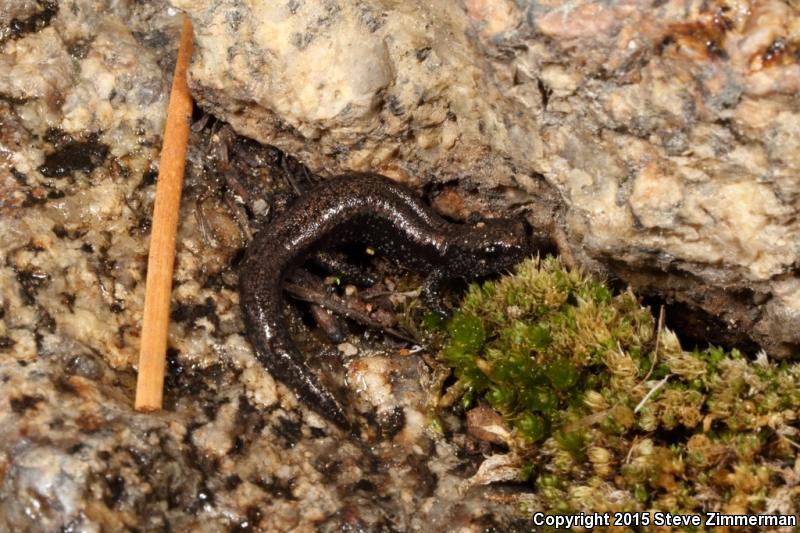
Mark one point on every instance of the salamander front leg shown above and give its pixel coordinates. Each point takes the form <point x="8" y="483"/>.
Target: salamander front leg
<point x="431" y="293"/>
<point x="336" y="263"/>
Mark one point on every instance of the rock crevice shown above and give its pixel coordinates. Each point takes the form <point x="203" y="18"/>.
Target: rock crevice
<point x="669" y="134"/>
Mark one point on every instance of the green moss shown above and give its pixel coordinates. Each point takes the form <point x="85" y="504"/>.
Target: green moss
<point x="433" y="321"/>
<point x="601" y="403"/>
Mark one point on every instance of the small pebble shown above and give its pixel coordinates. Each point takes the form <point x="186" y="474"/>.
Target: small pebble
<point x="347" y="349"/>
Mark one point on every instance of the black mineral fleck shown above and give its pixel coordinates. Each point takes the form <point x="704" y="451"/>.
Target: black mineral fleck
<point x="74" y="156"/>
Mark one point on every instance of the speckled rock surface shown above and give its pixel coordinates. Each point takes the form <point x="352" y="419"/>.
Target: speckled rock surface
<point x="82" y="102"/>
<point x="664" y="138"/>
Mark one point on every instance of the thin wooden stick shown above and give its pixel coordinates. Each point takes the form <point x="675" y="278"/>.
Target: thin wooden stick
<point x="158" y="292"/>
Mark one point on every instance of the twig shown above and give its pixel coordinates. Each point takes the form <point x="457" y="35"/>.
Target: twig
<point x="630" y="450"/>
<point x="658" y="342"/>
<point x="155" y="323"/>
<point x="289" y="178"/>
<point x="337" y="305"/>
<point x="328" y="323"/>
<point x="790" y="441"/>
<point x="588" y="420"/>
<point x="652" y="391"/>
<point x="407" y="294"/>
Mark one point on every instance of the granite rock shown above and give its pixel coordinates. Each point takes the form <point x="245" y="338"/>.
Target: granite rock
<point x="662" y="140"/>
<point x="83" y="88"/>
<point x="83" y="96"/>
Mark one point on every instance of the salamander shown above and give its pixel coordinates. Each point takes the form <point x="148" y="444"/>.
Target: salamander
<point x="368" y="209"/>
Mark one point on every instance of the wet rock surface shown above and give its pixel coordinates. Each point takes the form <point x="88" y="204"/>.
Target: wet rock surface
<point x="658" y="142"/>
<point x="82" y="105"/>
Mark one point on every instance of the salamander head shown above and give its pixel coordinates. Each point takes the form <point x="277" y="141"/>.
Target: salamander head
<point x="491" y="246"/>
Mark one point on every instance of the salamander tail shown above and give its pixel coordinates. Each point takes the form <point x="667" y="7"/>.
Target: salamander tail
<point x="299" y="378"/>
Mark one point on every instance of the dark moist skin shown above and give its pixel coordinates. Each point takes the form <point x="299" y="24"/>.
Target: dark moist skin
<point x="363" y="209"/>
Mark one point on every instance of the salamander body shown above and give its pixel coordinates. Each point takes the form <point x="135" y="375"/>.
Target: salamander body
<point x="363" y="209"/>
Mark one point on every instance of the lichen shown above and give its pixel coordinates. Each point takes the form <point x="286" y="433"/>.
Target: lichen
<point x="608" y="412"/>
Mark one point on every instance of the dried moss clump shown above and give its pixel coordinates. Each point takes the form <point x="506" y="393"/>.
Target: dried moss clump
<point x="609" y="414"/>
